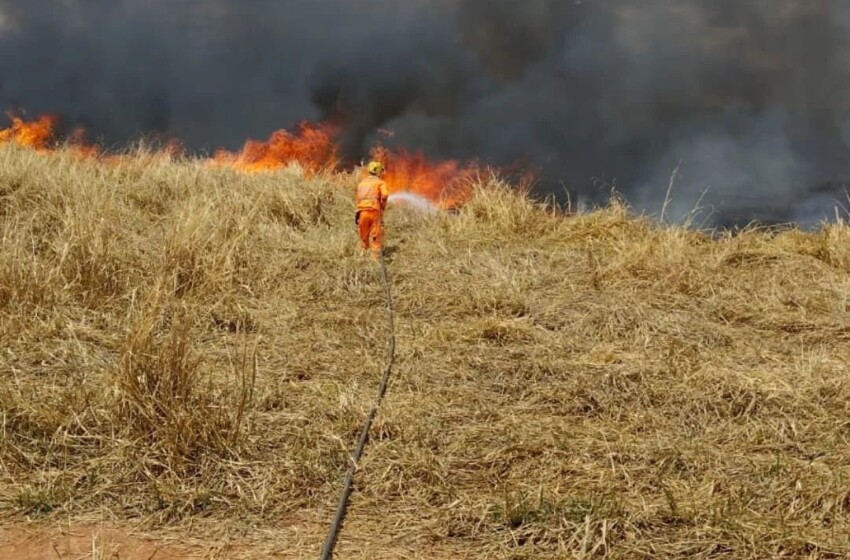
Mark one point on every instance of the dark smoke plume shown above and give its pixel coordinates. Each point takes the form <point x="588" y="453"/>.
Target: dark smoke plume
<point x="749" y="99"/>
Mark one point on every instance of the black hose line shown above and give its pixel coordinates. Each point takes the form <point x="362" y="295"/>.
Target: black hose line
<point x="342" y="507"/>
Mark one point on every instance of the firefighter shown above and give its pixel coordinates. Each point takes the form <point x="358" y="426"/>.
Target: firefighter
<point x="371" y="200"/>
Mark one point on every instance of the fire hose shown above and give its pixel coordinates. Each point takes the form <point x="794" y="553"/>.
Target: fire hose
<point x="342" y="506"/>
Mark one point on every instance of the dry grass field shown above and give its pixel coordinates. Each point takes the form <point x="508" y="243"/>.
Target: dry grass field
<point x="190" y="349"/>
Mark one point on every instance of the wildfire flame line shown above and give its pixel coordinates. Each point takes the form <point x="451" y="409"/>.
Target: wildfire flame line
<point x="37" y="134"/>
<point x="312" y="146"/>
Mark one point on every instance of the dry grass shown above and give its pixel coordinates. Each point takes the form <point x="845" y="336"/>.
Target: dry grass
<point x="178" y="341"/>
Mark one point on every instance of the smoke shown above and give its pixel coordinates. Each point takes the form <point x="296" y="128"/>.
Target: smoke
<point x="749" y="99"/>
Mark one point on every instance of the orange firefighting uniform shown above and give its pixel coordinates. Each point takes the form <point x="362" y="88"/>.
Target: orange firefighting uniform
<point x="371" y="200"/>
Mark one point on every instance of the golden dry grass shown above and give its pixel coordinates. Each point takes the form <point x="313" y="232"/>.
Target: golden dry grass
<point x="179" y="341"/>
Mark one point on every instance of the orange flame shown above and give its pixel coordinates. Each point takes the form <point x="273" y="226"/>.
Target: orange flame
<point x="80" y="147"/>
<point x="313" y="147"/>
<point x="37" y="134"/>
<point x="449" y="184"/>
<point x="40" y="135"/>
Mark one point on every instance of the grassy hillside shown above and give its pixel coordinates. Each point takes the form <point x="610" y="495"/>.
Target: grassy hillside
<point x="180" y="342"/>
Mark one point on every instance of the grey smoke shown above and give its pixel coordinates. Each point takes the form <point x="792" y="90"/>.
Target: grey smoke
<point x="749" y="98"/>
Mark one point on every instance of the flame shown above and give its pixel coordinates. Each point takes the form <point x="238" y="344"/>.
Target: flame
<point x="37" y="134"/>
<point x="80" y="147"/>
<point x="448" y="184"/>
<point x="313" y="147"/>
<point x="40" y="135"/>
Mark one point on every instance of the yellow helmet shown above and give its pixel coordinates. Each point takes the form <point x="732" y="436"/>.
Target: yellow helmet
<point x="375" y="168"/>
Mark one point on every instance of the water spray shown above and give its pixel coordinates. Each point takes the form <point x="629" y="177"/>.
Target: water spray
<point x="415" y="201"/>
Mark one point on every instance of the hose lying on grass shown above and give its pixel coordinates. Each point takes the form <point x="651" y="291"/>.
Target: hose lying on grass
<point x="342" y="507"/>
